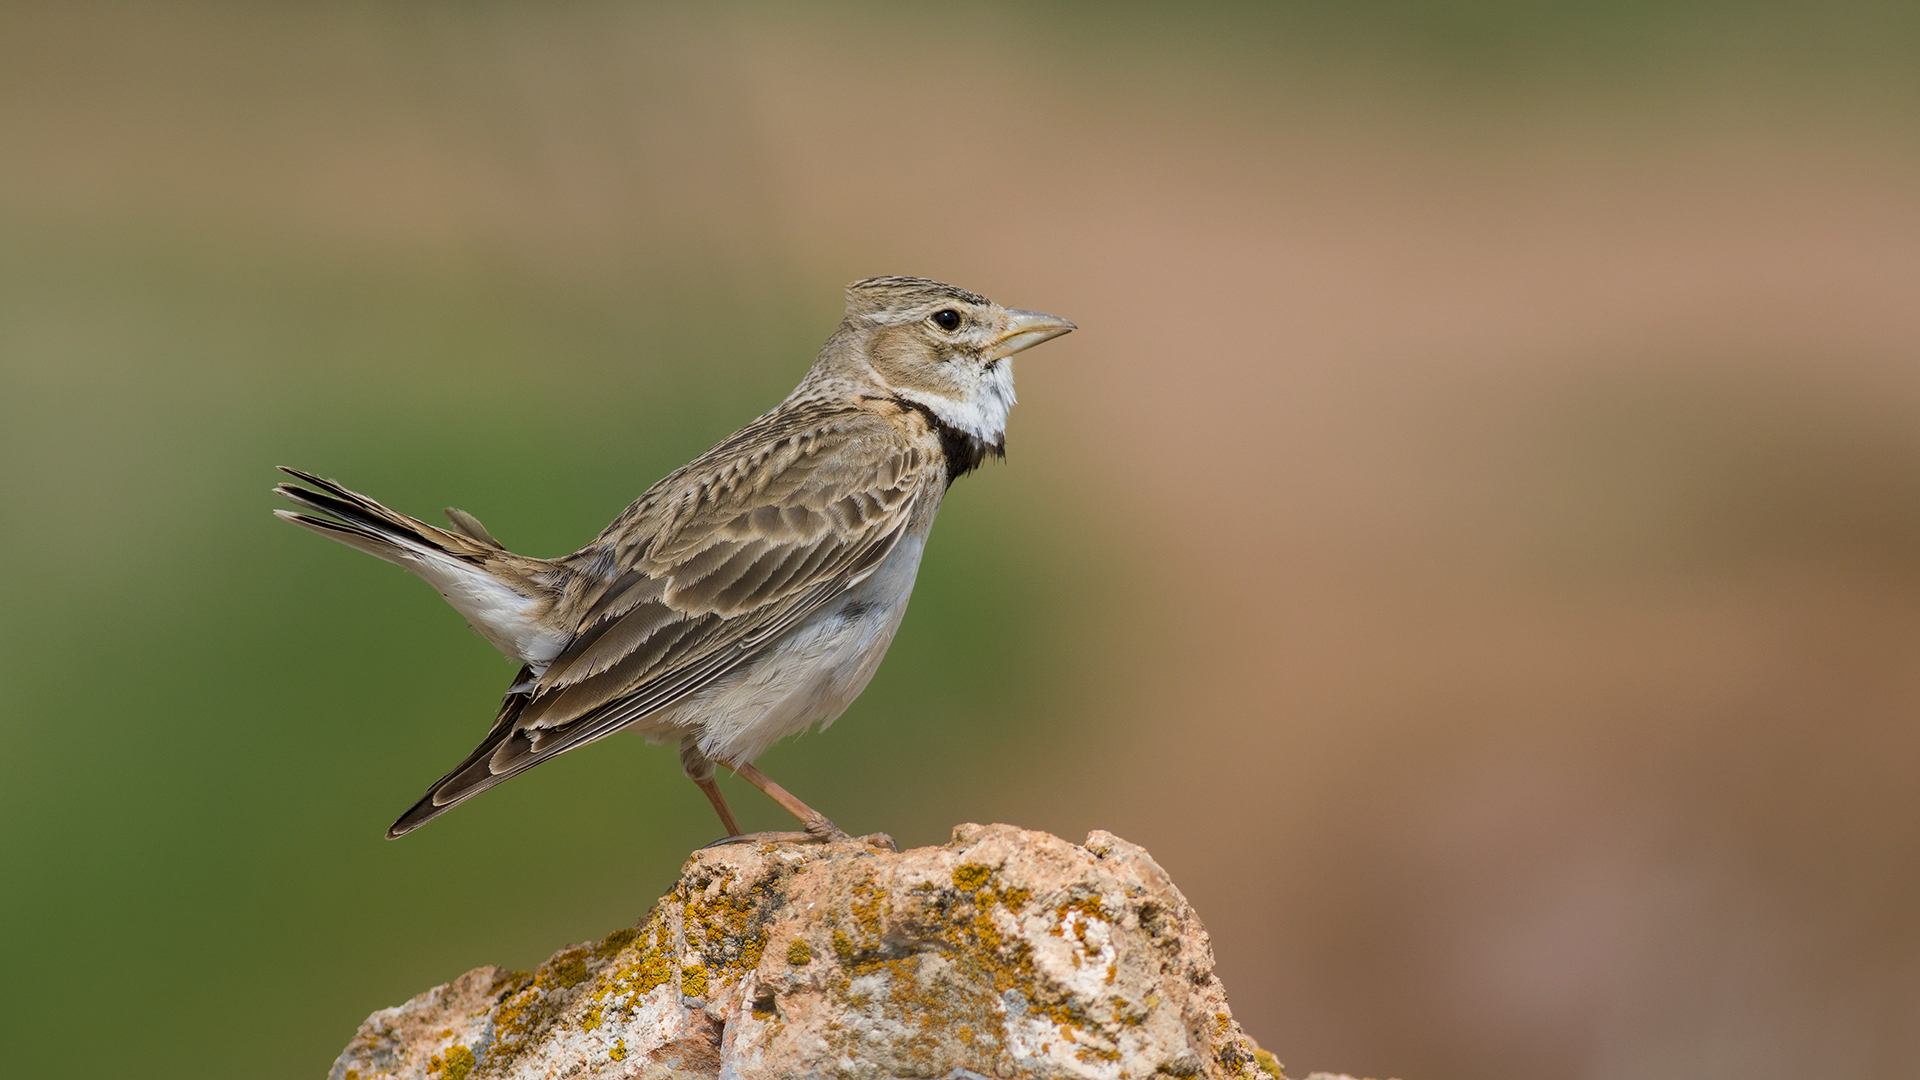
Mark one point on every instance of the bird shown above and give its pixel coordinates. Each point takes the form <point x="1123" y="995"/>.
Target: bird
<point x="750" y="594"/>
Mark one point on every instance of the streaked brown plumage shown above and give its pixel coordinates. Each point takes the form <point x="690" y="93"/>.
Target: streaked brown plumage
<point x="754" y="591"/>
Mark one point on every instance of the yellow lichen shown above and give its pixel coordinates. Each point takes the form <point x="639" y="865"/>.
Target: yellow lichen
<point x="643" y="964"/>
<point x="459" y="1063"/>
<point x="565" y="971"/>
<point x="651" y="968"/>
<point x="1269" y="1064"/>
<point x="693" y="981"/>
<point x="751" y="948"/>
<point x="868" y="899"/>
<point x="938" y="966"/>
<point x="971" y="876"/>
<point x="614" y="942"/>
<point x="619" y="1051"/>
<point x="621" y="969"/>
<point x="949" y="988"/>
<point x="1077" y="915"/>
<point x="1127" y="1014"/>
<point x="725" y="923"/>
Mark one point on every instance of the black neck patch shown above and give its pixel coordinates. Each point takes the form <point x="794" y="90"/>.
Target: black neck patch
<point x="964" y="452"/>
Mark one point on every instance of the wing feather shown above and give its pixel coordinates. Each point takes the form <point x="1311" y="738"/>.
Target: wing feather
<point x="706" y="569"/>
<point x="621" y="636"/>
<point x="629" y="670"/>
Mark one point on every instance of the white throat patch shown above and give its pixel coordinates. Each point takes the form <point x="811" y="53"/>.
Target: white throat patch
<point x="983" y="412"/>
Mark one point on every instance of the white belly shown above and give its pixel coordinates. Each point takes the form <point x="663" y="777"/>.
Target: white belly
<point x="811" y="674"/>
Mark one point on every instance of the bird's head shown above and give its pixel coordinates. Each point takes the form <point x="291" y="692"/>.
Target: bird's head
<point x="945" y="348"/>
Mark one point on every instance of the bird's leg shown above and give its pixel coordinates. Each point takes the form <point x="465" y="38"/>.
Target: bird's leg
<point x="699" y="769"/>
<point x="719" y="801"/>
<point x="815" y="822"/>
<point x="818" y="828"/>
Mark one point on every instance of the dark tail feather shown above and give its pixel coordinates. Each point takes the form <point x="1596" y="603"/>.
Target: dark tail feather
<point x="367" y="520"/>
<point x="380" y="545"/>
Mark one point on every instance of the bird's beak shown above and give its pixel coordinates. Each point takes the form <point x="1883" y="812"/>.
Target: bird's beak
<point x="1030" y="328"/>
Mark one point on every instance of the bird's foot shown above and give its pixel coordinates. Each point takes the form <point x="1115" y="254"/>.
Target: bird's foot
<point x="828" y="833"/>
<point x="763" y="838"/>
<point x="825" y="833"/>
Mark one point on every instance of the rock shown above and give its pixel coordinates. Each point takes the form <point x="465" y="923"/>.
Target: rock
<point x="1005" y="953"/>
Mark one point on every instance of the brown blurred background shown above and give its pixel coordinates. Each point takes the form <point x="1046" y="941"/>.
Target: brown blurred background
<point x="1473" y="540"/>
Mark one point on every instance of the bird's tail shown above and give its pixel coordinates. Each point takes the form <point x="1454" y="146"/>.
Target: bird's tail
<point x="492" y="587"/>
<point x="357" y="521"/>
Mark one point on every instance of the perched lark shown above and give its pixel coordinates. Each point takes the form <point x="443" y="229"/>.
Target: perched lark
<point x="751" y="593"/>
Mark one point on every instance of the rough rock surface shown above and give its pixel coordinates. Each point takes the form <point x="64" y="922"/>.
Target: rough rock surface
<point x="1005" y="953"/>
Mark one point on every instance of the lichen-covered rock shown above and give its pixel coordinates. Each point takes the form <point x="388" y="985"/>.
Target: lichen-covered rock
<point x="1006" y="953"/>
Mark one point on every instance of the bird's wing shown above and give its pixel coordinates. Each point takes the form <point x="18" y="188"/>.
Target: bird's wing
<point x="703" y="572"/>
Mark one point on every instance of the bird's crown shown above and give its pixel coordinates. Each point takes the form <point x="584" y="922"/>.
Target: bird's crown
<point x="880" y="298"/>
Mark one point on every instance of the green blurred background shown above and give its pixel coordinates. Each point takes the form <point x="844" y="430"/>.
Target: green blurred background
<point x="1474" y="540"/>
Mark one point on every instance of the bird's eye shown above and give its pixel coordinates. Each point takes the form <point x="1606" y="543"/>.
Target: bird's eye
<point x="946" y="319"/>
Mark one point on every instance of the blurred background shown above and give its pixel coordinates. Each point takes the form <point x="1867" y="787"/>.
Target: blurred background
<point x="1473" y="540"/>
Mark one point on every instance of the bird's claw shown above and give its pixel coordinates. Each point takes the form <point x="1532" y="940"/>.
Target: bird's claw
<point x="826" y="831"/>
